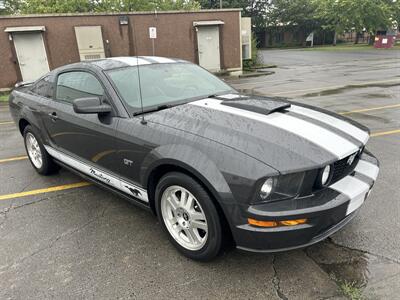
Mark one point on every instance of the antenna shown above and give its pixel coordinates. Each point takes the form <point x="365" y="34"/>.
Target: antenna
<point x="143" y="121"/>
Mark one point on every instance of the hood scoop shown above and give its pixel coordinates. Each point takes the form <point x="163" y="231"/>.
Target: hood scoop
<point x="263" y="106"/>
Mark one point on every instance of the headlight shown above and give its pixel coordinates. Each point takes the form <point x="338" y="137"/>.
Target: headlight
<point x="266" y="188"/>
<point x="279" y="187"/>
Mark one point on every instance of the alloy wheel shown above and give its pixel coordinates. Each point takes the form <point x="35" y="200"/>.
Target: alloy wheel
<point x="34" y="152"/>
<point x="184" y="217"/>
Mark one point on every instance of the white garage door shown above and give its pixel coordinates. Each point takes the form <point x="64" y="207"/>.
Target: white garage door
<point x="31" y="55"/>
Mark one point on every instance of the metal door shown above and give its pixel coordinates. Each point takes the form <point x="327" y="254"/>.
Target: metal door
<point x="31" y="55"/>
<point x="208" y="47"/>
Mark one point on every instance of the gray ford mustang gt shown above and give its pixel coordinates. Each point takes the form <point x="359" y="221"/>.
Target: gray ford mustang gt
<point x="213" y="165"/>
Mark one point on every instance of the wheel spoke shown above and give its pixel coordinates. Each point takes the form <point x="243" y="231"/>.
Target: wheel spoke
<point x="197" y="216"/>
<point x="189" y="203"/>
<point x="184" y="195"/>
<point x="173" y="221"/>
<point x="199" y="224"/>
<point x="192" y="236"/>
<point x="173" y="201"/>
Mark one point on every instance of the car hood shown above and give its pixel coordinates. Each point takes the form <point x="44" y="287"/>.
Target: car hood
<point x="287" y="136"/>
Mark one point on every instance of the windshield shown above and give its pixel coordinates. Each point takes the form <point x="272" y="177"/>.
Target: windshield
<point x="165" y="84"/>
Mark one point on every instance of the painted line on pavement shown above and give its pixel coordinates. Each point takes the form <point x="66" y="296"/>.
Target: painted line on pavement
<point x="369" y="109"/>
<point x="326" y="88"/>
<point x="45" y="190"/>
<point x="6" y="122"/>
<point x="375" y="134"/>
<point x="3" y="160"/>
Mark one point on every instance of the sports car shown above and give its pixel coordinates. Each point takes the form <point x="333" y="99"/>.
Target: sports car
<point x="216" y="167"/>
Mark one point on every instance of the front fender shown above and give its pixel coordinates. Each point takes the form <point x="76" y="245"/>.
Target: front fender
<point x="192" y="160"/>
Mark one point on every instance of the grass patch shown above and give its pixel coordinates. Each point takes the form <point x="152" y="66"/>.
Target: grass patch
<point x="338" y="48"/>
<point x="348" y="47"/>
<point x="351" y="290"/>
<point x="4" y="97"/>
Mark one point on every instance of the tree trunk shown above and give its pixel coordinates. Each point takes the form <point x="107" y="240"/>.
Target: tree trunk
<point x="356" y="40"/>
<point x="334" y="38"/>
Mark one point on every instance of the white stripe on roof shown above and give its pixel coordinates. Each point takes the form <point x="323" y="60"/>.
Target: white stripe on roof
<point x="161" y="60"/>
<point x="132" y="61"/>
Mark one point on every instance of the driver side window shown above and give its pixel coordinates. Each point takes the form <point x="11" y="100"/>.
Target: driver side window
<point x="77" y="84"/>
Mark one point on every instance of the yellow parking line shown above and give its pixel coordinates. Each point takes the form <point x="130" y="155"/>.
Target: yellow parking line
<point x="45" y="190"/>
<point x="6" y="122"/>
<point x="369" y="109"/>
<point x="385" y="133"/>
<point x="13" y="159"/>
<point x="333" y="87"/>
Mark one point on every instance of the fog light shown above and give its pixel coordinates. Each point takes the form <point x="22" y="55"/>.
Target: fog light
<point x="266" y="188"/>
<point x="326" y="174"/>
<point x="293" y="222"/>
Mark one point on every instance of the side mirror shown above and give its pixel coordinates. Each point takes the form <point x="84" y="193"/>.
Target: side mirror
<point x="90" y="105"/>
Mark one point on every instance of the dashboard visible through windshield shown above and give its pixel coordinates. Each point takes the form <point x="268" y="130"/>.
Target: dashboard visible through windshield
<point x="164" y="84"/>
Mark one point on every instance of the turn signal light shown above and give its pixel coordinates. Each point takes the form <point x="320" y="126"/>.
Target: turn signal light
<point x="262" y="223"/>
<point x="276" y="223"/>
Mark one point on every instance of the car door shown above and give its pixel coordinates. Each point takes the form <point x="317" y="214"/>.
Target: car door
<point x="85" y="137"/>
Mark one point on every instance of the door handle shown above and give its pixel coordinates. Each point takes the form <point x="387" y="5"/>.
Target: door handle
<point x="53" y="116"/>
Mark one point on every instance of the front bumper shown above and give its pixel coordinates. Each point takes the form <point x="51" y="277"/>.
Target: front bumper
<point x="326" y="212"/>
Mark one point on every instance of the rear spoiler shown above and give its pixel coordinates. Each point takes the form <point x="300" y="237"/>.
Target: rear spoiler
<point x="23" y="83"/>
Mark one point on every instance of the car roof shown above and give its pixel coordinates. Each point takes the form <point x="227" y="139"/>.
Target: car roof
<point x="125" y="61"/>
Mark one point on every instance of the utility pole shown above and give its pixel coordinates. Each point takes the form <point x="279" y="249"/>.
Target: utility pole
<point x="220" y="4"/>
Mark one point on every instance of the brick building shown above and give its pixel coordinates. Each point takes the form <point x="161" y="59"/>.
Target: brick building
<point x="31" y="45"/>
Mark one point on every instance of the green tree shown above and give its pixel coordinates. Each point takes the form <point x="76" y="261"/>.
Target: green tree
<point x="256" y="9"/>
<point x="357" y="15"/>
<point x="9" y="6"/>
<point x="294" y="13"/>
<point x="79" y="6"/>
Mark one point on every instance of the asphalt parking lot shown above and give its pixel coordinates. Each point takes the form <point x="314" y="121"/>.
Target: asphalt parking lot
<point x="63" y="238"/>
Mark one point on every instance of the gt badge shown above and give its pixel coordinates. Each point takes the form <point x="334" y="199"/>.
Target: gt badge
<point x="128" y="162"/>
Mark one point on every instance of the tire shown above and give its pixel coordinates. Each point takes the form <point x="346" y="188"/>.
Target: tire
<point x="45" y="165"/>
<point x="200" y="240"/>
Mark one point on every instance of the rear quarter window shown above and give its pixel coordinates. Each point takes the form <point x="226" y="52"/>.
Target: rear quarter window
<point x="44" y="87"/>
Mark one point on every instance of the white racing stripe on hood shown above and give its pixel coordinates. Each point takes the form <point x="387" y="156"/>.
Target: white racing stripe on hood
<point x="367" y="169"/>
<point x="320" y="136"/>
<point x="344" y="126"/>
<point x="132" y="61"/>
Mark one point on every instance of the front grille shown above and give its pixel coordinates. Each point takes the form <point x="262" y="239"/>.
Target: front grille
<point x="342" y="168"/>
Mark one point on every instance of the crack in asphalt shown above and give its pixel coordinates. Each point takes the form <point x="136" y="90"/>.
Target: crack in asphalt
<point x="59" y="237"/>
<point x="276" y="281"/>
<point x="330" y="278"/>
<point x="10" y="208"/>
<point x="363" y="251"/>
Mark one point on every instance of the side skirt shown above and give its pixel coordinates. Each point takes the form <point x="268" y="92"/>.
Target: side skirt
<point x="99" y="176"/>
<point x="132" y="200"/>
